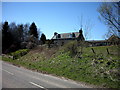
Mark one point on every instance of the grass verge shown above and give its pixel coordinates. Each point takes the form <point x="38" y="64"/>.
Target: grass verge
<point x="101" y="69"/>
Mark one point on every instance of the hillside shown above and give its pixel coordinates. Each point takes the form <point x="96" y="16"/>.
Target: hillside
<point x="99" y="67"/>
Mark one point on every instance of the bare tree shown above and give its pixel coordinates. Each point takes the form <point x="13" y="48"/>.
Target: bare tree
<point x="87" y="27"/>
<point x="109" y="14"/>
<point x="26" y="29"/>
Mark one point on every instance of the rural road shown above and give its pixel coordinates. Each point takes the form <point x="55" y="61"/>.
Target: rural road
<point x="19" y="77"/>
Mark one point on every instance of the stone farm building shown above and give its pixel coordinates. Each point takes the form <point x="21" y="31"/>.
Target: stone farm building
<point x="61" y="39"/>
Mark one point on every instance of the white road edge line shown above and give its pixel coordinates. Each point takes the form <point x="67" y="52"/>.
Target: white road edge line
<point x="36" y="84"/>
<point x="51" y="83"/>
<point x="8" y="72"/>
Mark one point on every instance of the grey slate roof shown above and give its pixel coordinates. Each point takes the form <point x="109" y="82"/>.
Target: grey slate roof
<point x="67" y="35"/>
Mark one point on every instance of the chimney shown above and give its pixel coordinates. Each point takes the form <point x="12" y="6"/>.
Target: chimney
<point x="80" y="31"/>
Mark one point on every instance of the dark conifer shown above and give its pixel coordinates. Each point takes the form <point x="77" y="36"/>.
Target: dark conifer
<point x="33" y="30"/>
<point x="43" y="38"/>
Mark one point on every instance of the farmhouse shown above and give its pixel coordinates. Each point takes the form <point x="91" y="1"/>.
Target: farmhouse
<point x="61" y="39"/>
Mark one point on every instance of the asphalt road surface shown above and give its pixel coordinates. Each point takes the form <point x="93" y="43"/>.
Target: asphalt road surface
<point x="19" y="77"/>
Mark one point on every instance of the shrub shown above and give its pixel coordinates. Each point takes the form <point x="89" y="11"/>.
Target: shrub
<point x="30" y="45"/>
<point x="19" y="53"/>
<point x="23" y="45"/>
<point x="71" y="47"/>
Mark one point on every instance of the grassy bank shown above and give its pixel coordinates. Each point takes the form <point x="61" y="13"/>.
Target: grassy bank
<point x="99" y="69"/>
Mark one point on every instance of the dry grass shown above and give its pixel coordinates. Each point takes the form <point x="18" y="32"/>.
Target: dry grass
<point x="44" y="51"/>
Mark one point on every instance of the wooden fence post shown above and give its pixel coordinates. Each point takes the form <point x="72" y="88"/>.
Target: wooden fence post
<point x="93" y="50"/>
<point x="108" y="51"/>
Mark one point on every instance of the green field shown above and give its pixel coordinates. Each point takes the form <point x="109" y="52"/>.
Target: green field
<point x="99" y="68"/>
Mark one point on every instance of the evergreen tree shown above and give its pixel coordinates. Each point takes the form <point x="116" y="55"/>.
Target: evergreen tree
<point x="43" y="38"/>
<point x="7" y="39"/>
<point x="33" y="30"/>
<point x="5" y="28"/>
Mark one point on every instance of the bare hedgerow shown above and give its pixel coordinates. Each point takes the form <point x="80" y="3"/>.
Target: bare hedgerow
<point x="71" y="47"/>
